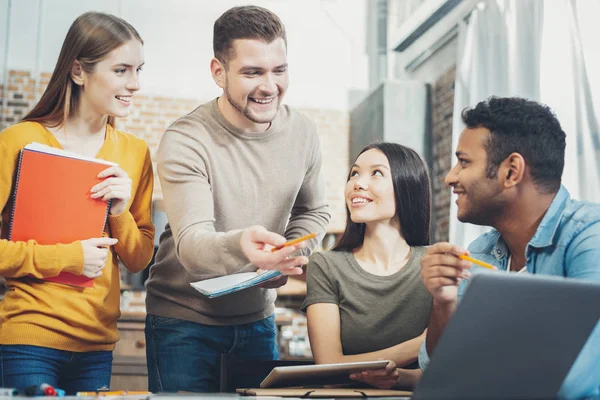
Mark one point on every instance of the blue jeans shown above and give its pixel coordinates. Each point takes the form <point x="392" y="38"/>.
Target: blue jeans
<point x="22" y="366"/>
<point x="185" y="355"/>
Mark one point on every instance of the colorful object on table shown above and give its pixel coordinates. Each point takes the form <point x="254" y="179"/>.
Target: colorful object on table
<point x="114" y="393"/>
<point x="8" y="392"/>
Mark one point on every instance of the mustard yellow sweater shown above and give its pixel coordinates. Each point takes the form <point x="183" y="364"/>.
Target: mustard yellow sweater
<point x="41" y="313"/>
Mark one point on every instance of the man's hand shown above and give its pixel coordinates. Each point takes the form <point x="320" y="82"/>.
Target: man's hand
<point x="273" y="283"/>
<point x="442" y="271"/>
<point x="384" y="378"/>
<point x="256" y="243"/>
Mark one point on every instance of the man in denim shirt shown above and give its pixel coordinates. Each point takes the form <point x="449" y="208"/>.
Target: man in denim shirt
<point x="508" y="176"/>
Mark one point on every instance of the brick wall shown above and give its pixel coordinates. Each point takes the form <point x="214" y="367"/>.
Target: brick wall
<point x="151" y="115"/>
<point x="21" y="93"/>
<point x="149" y="118"/>
<point x="442" y="100"/>
<point x="334" y="128"/>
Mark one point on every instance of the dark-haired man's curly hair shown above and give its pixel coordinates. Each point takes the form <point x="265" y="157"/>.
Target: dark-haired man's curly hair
<point x="525" y="127"/>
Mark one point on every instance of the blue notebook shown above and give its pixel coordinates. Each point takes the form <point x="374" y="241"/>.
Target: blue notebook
<point x="223" y="285"/>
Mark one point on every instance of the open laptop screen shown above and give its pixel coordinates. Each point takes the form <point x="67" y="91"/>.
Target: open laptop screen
<point x="512" y="336"/>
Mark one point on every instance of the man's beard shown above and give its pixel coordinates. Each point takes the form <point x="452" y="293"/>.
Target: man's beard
<point x="247" y="112"/>
<point x="486" y="206"/>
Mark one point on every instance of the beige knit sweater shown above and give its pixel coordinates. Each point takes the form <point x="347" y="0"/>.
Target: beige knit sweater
<point x="216" y="181"/>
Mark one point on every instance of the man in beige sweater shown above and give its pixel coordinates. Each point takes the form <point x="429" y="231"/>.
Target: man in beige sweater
<point x="239" y="174"/>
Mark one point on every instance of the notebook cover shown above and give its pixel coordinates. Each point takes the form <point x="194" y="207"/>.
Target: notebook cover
<point x="53" y="204"/>
<point x="227" y="284"/>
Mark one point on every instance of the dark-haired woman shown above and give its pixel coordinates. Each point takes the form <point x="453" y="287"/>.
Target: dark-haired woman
<point x="366" y="299"/>
<point x="58" y="334"/>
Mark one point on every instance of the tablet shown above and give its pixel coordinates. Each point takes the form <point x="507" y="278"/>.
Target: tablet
<point x="318" y="374"/>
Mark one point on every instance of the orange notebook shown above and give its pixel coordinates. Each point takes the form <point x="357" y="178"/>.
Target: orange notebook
<point x="52" y="201"/>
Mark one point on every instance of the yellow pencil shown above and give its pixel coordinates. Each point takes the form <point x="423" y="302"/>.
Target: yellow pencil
<point x="295" y="241"/>
<point x="474" y="261"/>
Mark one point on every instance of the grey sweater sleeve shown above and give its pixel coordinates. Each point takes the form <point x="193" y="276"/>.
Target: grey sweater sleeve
<point x="218" y="180"/>
<point x="311" y="210"/>
<point x="189" y="206"/>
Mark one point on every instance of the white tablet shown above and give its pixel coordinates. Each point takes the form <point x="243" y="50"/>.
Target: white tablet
<point x="318" y="374"/>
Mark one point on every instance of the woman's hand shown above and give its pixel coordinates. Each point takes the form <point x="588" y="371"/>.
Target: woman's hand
<point x="384" y="378"/>
<point x="95" y="252"/>
<point x="117" y="187"/>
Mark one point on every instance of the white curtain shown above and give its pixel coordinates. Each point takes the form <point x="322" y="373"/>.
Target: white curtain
<point x="540" y="50"/>
<point x="570" y="62"/>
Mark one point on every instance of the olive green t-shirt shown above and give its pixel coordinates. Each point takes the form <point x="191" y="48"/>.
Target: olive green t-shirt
<point x="376" y="312"/>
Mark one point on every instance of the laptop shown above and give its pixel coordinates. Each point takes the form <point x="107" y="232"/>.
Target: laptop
<point x="512" y="337"/>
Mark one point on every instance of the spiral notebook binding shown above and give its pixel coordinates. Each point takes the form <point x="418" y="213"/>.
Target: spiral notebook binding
<point x="109" y="203"/>
<point x="14" y="195"/>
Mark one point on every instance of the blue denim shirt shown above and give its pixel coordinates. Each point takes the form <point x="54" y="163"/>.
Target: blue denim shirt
<point x="567" y="243"/>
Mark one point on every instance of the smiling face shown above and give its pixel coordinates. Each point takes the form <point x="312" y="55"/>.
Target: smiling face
<point x="109" y="88"/>
<point x="480" y="199"/>
<point x="370" y="191"/>
<point x="254" y="81"/>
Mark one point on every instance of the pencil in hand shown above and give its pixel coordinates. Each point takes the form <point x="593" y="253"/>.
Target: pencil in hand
<point x="295" y="241"/>
<point x="475" y="261"/>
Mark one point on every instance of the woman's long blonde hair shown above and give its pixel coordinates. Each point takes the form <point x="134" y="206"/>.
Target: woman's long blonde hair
<point x="90" y="38"/>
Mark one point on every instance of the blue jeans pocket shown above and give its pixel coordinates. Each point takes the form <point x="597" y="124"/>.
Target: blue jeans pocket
<point x="268" y="325"/>
<point x="158" y="321"/>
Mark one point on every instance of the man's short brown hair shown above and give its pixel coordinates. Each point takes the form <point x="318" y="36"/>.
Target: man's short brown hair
<point x="245" y="22"/>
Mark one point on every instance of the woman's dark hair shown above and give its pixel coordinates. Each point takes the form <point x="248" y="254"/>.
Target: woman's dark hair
<point x="412" y="191"/>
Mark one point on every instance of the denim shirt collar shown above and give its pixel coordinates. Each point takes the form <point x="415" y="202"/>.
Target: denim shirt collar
<point x="544" y="235"/>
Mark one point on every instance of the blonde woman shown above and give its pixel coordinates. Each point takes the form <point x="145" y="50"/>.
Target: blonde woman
<point x="53" y="333"/>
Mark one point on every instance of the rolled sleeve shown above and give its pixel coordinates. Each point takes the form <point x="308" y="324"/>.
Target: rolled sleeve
<point x="423" y="356"/>
<point x="584" y="377"/>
